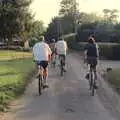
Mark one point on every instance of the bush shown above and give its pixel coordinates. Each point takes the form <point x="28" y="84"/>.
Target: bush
<point x="32" y="41"/>
<point x="71" y="41"/>
<point x="108" y="51"/>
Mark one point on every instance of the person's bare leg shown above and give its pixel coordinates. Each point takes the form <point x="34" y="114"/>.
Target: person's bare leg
<point x="39" y="70"/>
<point x="45" y="73"/>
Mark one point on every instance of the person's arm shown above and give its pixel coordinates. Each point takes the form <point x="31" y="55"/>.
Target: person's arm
<point x="66" y="46"/>
<point x="85" y="53"/>
<point x="98" y="51"/>
<point x="49" y="54"/>
<point x="33" y="55"/>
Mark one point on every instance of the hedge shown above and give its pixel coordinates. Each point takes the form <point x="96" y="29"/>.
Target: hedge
<point x="108" y="51"/>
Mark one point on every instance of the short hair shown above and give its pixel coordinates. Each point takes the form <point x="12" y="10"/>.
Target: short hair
<point x="42" y="38"/>
<point x="91" y="40"/>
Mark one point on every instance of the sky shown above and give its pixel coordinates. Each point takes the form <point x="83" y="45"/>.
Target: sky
<point x="45" y="10"/>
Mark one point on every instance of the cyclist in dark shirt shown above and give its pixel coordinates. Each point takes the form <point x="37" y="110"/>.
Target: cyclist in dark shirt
<point x="92" y="55"/>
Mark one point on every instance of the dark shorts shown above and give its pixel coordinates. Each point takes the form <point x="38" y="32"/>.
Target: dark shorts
<point x="62" y="57"/>
<point x="92" y="61"/>
<point x="43" y="64"/>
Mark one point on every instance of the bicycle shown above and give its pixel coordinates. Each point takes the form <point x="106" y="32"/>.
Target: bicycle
<point x="92" y="80"/>
<point x="62" y="64"/>
<point x="41" y="79"/>
<point x="53" y="63"/>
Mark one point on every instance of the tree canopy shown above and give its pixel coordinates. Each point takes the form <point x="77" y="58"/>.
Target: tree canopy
<point x="17" y="19"/>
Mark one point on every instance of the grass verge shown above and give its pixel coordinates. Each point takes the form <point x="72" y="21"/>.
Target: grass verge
<point x="14" y="76"/>
<point x="113" y="77"/>
<point x="10" y="55"/>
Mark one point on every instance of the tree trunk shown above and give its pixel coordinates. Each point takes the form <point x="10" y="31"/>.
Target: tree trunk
<point x="9" y="41"/>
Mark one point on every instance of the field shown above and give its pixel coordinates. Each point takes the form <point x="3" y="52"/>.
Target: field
<point x="14" y="75"/>
<point x="9" y="55"/>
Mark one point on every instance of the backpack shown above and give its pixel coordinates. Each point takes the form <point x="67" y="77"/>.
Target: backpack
<point x="92" y="50"/>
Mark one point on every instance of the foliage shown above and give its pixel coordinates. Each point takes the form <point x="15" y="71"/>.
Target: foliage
<point x="65" y="22"/>
<point x="37" y="29"/>
<point x="110" y="15"/>
<point x="68" y="7"/>
<point x="89" y="17"/>
<point x="15" y="18"/>
<point x="71" y="41"/>
<point x="108" y="51"/>
<point x="32" y="41"/>
<point x="102" y="32"/>
<point x="54" y="29"/>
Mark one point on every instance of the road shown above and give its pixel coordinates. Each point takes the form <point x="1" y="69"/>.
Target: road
<point x="67" y="98"/>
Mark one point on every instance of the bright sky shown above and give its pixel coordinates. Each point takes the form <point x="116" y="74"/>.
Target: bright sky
<point x="47" y="9"/>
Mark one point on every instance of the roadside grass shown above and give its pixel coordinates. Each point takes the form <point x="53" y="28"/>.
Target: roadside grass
<point x="113" y="77"/>
<point x="14" y="76"/>
<point x="9" y="55"/>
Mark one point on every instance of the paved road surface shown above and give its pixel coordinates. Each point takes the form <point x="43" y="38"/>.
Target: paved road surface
<point x="68" y="98"/>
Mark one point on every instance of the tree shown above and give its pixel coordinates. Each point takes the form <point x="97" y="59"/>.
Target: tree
<point x="54" y="29"/>
<point x="69" y="10"/>
<point x="110" y="15"/>
<point x="37" y="29"/>
<point x="13" y="14"/>
<point x="68" y="7"/>
<point x="89" y="17"/>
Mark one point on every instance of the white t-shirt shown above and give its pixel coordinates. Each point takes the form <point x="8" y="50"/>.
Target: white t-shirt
<point x="41" y="51"/>
<point x="61" y="47"/>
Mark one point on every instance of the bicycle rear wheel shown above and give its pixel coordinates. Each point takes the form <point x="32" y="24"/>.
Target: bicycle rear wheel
<point x="40" y="84"/>
<point x="61" y="72"/>
<point x="61" y="68"/>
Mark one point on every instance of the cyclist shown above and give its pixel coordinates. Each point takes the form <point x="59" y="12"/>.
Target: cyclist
<point x="61" y="50"/>
<point x="92" y="54"/>
<point x="42" y="57"/>
<point x="52" y="46"/>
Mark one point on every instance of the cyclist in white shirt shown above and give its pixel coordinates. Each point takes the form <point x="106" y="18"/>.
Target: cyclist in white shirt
<point x="42" y="55"/>
<point x="61" y="50"/>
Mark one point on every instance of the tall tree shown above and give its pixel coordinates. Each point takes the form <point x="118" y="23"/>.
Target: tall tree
<point x="12" y="17"/>
<point x="69" y="10"/>
<point x="54" y="29"/>
<point x="110" y="15"/>
<point x="89" y="17"/>
<point x="37" y="29"/>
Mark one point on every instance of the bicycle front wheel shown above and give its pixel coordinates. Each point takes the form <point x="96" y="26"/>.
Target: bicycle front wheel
<point x="93" y="88"/>
<point x="61" y="68"/>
